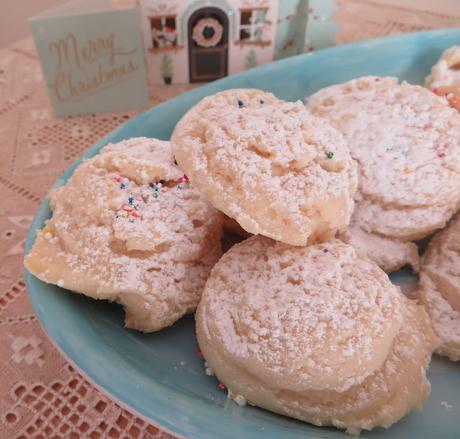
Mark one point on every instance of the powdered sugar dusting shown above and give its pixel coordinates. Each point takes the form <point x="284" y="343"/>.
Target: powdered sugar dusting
<point x="323" y="326"/>
<point x="128" y="227"/>
<point x="443" y="73"/>
<point x="276" y="169"/>
<point x="304" y="343"/>
<point x="389" y="254"/>
<point x="401" y="223"/>
<point x="439" y="291"/>
<point x="395" y="132"/>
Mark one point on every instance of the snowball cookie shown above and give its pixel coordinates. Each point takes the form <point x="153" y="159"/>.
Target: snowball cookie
<point x="269" y="164"/>
<point x="440" y="287"/>
<point x="129" y="228"/>
<point x="401" y="223"/>
<point x="317" y="333"/>
<point x="445" y="77"/>
<point x="447" y="70"/>
<point x="389" y="254"/>
<point x="406" y="141"/>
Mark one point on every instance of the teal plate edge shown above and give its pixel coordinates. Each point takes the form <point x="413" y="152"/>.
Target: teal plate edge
<point x="185" y="412"/>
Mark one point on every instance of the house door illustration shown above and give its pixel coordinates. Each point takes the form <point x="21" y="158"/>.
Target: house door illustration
<point x="208" y="44"/>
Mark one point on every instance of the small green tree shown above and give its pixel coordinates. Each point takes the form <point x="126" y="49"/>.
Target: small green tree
<point x="251" y="59"/>
<point x="166" y="68"/>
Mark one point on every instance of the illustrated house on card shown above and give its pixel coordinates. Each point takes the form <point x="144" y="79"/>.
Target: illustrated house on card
<point x="202" y="40"/>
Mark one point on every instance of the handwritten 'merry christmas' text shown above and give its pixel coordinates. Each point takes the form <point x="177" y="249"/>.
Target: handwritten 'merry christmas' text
<point x="85" y="69"/>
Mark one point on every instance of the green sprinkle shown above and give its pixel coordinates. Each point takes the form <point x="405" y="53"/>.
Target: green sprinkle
<point x="329" y="154"/>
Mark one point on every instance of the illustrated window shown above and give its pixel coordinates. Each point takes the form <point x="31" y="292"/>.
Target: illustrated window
<point x="252" y="23"/>
<point x="164" y="31"/>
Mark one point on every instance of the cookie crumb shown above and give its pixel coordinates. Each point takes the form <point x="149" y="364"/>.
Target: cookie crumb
<point x="446" y="405"/>
<point x="239" y="399"/>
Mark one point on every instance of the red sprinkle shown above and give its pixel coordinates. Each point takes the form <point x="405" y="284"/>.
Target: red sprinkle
<point x="440" y="149"/>
<point x="200" y="354"/>
<point x="435" y="90"/>
<point x="221" y="386"/>
<point x="135" y="214"/>
<point x="127" y="208"/>
<point x="301" y="267"/>
<point x="117" y="178"/>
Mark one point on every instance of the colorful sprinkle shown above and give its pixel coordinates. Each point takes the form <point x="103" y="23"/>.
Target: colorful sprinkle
<point x="261" y="101"/>
<point x="435" y="90"/>
<point x="408" y="170"/>
<point x="301" y="268"/>
<point x="329" y="155"/>
<point x="175" y="162"/>
<point x="122" y="186"/>
<point x="130" y="200"/>
<point x="199" y="353"/>
<point x="184" y="179"/>
<point x="240" y="103"/>
<point x="441" y="149"/>
<point x="117" y="178"/>
<point x="156" y="186"/>
<point x="325" y="250"/>
<point x="221" y="386"/>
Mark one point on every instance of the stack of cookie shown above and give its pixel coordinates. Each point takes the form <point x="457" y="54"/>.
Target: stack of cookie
<point x="405" y="141"/>
<point x="298" y="319"/>
<point x="303" y="324"/>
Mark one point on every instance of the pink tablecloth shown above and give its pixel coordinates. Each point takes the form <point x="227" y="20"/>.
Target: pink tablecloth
<point x="41" y="395"/>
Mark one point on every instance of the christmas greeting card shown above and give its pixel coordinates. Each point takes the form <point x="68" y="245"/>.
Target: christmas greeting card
<point x="92" y="57"/>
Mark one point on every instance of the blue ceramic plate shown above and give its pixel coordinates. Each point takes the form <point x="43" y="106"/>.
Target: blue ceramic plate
<point x="160" y="375"/>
